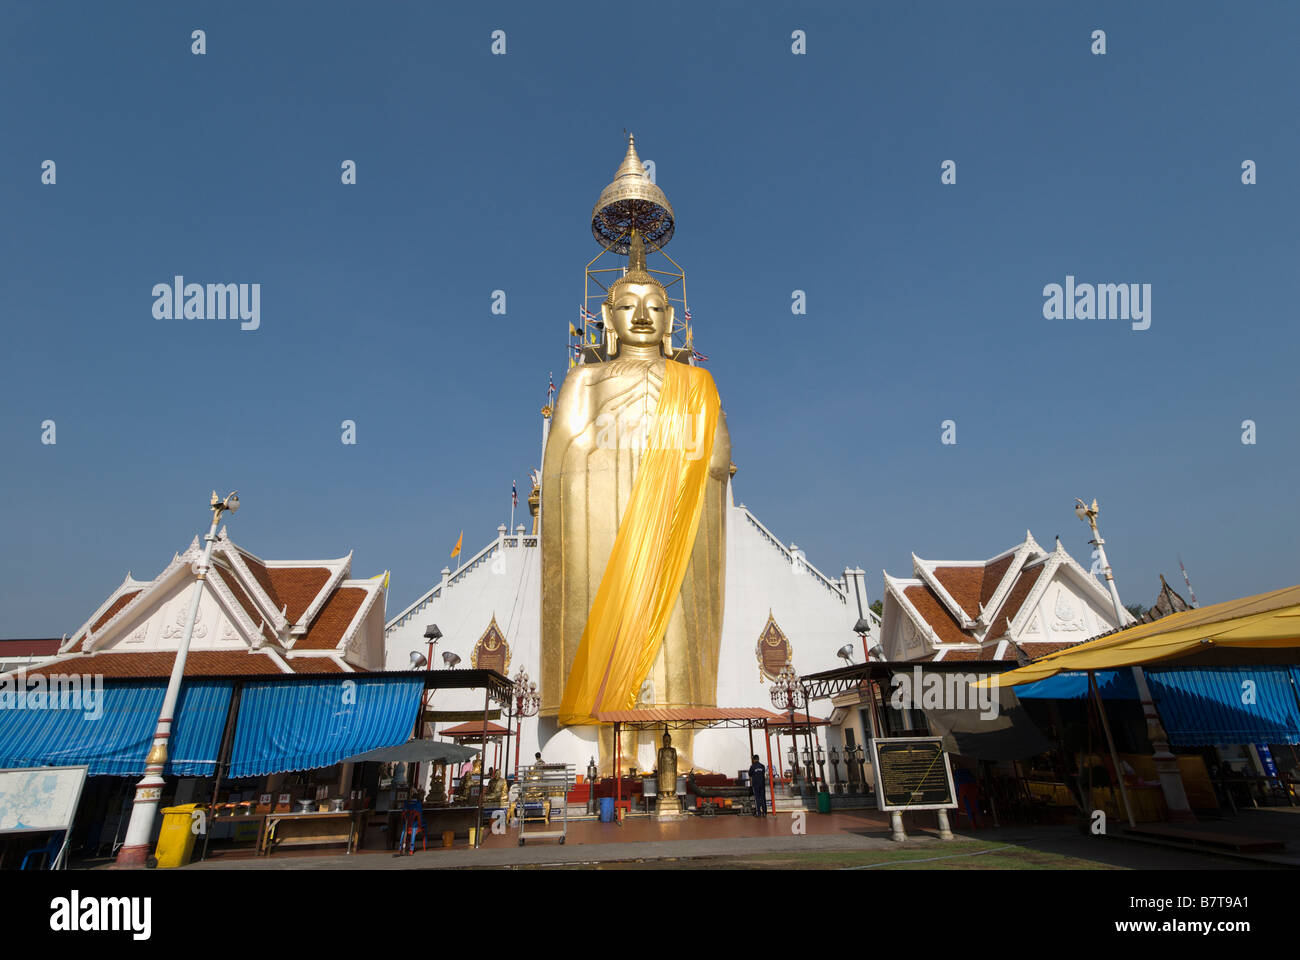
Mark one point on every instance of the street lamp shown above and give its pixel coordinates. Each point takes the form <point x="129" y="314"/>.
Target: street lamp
<point x="525" y="701"/>
<point x="792" y="755"/>
<point x="433" y="635"/>
<point x="821" y="765"/>
<point x="787" y="694"/>
<point x="1171" y="780"/>
<point x="862" y="628"/>
<point x="835" y="769"/>
<point x="861" y="757"/>
<point x="148" y="792"/>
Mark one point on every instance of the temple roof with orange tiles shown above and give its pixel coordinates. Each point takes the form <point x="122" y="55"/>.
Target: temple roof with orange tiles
<point x="255" y="617"/>
<point x="1017" y="605"/>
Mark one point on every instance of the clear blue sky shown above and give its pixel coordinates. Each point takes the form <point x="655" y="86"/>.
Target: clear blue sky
<point x="816" y="172"/>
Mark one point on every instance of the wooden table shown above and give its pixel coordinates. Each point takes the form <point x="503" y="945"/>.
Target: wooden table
<point x="303" y="829"/>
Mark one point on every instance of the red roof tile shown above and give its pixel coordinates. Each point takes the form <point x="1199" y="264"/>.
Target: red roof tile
<point x="296" y="586"/>
<point x="974" y="585"/>
<point x="111" y="612"/>
<point x="661" y="714"/>
<point x="984" y="653"/>
<point x="473" y="729"/>
<point x="1036" y="650"/>
<point x="1015" y="600"/>
<point x="937" y="615"/>
<point x="159" y="664"/>
<point x="314" y="665"/>
<point x="30" y="648"/>
<point x="241" y="595"/>
<point x="327" y="629"/>
<point x="258" y="569"/>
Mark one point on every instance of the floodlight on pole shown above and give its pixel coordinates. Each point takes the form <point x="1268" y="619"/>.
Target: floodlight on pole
<point x="1171" y="779"/>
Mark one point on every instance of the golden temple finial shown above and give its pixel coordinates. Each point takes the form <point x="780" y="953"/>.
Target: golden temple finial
<point x="632" y="203"/>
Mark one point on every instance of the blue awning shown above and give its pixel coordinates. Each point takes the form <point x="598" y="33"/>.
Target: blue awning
<point x="310" y="724"/>
<point x="1208" y="706"/>
<point x="113" y="733"/>
<point x="1221" y="706"/>
<point x="1073" y="685"/>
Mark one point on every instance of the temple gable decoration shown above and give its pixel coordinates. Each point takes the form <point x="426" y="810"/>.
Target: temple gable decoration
<point x="491" y="652"/>
<point x="773" y="650"/>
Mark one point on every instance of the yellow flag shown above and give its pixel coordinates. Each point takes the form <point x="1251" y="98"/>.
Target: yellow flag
<point x="459" y="540"/>
<point x="573" y="331"/>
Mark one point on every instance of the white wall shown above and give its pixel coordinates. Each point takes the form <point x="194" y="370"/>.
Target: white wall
<point x="760" y="576"/>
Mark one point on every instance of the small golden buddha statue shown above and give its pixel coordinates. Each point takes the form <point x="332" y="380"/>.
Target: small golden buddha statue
<point x="463" y="791"/>
<point x="666" y="776"/>
<point x="666" y="779"/>
<point x="437" y="788"/>
<point x="496" y="790"/>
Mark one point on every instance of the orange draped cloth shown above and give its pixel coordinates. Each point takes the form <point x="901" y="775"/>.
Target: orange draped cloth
<point x="639" y="589"/>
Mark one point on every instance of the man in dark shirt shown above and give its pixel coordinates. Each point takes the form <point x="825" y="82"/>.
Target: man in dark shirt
<point x="758" y="783"/>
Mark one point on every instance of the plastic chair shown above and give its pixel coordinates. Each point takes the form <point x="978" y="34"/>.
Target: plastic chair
<point x="50" y="850"/>
<point x="413" y="825"/>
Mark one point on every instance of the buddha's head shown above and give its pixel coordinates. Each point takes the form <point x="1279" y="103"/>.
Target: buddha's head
<point x="636" y="310"/>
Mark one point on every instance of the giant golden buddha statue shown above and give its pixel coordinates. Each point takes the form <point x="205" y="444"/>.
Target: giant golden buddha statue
<point x="633" y="507"/>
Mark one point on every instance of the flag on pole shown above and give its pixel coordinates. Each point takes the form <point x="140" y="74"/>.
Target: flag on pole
<point x="514" y="494"/>
<point x="550" y="387"/>
<point x="1187" y="580"/>
<point x="586" y="315"/>
<point x="459" y="540"/>
<point x="699" y="356"/>
<point x="573" y="331"/>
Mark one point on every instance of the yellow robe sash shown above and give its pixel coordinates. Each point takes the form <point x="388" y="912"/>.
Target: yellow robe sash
<point x="639" y="589"/>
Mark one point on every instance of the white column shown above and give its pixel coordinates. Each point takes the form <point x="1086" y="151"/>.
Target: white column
<point x="148" y="792"/>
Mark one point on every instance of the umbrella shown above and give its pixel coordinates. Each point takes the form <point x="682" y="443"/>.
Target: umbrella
<point x="416" y="751"/>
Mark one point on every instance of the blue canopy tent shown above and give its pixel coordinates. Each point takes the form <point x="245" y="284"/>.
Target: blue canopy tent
<point x="113" y="736"/>
<point x="319" y="722"/>
<point x="1205" y="706"/>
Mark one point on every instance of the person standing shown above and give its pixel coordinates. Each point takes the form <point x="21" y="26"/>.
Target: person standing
<point x="758" y="783"/>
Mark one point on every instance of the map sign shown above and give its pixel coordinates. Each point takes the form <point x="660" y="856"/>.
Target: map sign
<point x="39" y="798"/>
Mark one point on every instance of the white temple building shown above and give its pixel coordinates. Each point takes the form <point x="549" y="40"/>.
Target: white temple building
<point x="814" y="616"/>
<point x="1020" y="604"/>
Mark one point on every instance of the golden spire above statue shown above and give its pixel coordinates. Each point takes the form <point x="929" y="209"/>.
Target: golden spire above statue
<point x="631" y="204"/>
<point x="636" y="268"/>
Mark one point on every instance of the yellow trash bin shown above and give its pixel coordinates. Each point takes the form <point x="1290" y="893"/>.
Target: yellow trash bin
<point x="177" y="836"/>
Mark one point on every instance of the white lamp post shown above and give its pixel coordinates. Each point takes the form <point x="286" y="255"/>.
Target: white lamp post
<point x="1171" y="780"/>
<point x="148" y="792"/>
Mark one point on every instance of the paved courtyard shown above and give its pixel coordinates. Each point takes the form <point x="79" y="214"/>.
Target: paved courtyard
<point x="846" y="840"/>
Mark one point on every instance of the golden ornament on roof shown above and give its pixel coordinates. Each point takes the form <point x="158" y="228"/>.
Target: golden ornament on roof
<point x="631" y="203"/>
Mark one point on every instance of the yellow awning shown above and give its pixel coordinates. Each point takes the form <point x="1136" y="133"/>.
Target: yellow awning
<point x="1266" y="620"/>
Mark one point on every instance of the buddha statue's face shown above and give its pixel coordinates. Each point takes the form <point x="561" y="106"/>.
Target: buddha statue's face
<point x="640" y="314"/>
